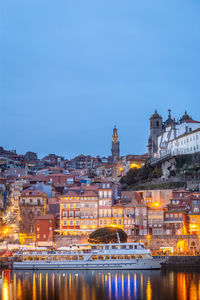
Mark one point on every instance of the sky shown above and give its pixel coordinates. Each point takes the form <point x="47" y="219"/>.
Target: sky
<point x="72" y="69"/>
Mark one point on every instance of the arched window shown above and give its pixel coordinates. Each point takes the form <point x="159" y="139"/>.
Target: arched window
<point x="157" y="123"/>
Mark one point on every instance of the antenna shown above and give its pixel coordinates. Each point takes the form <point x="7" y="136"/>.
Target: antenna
<point x="118" y="236"/>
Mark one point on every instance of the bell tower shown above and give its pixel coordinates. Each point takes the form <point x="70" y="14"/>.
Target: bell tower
<point x="156" y="125"/>
<point x="115" y="146"/>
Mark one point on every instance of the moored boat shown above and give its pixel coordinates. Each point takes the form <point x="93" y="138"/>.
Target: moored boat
<point x="119" y="256"/>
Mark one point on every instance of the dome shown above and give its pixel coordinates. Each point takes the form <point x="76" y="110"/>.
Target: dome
<point x="169" y="121"/>
<point x="156" y="115"/>
<point x="185" y="117"/>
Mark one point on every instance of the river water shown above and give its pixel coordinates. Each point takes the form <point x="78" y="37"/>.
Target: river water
<point x="99" y="285"/>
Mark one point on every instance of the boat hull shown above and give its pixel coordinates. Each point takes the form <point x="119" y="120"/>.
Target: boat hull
<point x="140" y="264"/>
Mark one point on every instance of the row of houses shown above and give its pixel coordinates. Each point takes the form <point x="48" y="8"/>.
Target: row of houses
<point x="83" y="209"/>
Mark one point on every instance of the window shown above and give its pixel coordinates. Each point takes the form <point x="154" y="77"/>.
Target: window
<point x="64" y="205"/>
<point x="64" y="223"/>
<point x="64" y="214"/>
<point x="71" y="223"/>
<point x="38" y="236"/>
<point x="50" y="228"/>
<point x="71" y="213"/>
<point x="44" y="236"/>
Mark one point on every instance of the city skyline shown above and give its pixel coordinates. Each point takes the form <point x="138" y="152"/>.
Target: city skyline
<point x="68" y="78"/>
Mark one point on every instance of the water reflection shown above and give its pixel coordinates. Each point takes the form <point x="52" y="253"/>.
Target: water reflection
<point x="97" y="285"/>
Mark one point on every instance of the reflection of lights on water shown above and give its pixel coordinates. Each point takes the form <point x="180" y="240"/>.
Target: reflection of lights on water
<point x="122" y="285"/>
<point x="47" y="286"/>
<point x="5" y="290"/>
<point x="148" y="290"/>
<point x="129" y="287"/>
<point x="40" y="279"/>
<point x="116" y="287"/>
<point x="19" y="288"/>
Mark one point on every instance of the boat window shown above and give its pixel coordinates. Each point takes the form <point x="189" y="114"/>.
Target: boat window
<point x="135" y="247"/>
<point x="74" y="257"/>
<point x="99" y="247"/>
<point x="93" y="247"/>
<point x="81" y="257"/>
<point x="113" y="256"/>
<point x="133" y="257"/>
<point x="107" y="247"/>
<point x="25" y="258"/>
<point x="120" y="257"/>
<point x="127" y="256"/>
<point x="37" y="258"/>
<point x="114" y="247"/>
<point x="94" y="257"/>
<point x="107" y="257"/>
<point x="42" y="258"/>
<point x="101" y="257"/>
<point x="131" y="247"/>
<point x="123" y="247"/>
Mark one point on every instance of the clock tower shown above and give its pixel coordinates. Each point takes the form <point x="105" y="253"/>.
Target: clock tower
<point x="115" y="146"/>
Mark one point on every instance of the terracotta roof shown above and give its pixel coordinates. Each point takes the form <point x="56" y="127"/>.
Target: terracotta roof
<point x="89" y="194"/>
<point x="33" y="193"/>
<point x="45" y="217"/>
<point x="191" y="121"/>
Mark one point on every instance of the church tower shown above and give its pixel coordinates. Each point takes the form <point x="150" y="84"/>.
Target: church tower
<point x="115" y="146"/>
<point x="156" y="126"/>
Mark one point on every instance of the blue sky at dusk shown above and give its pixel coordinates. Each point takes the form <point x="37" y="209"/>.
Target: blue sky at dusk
<point x="71" y="70"/>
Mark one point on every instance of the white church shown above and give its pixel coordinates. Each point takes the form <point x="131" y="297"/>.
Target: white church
<point x="173" y="137"/>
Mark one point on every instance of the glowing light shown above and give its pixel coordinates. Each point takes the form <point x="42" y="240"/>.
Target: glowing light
<point x="149" y="290"/>
<point x="134" y="165"/>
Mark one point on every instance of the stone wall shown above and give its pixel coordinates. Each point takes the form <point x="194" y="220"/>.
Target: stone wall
<point x="188" y="243"/>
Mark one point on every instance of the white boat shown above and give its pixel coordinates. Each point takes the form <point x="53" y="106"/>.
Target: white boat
<point x="119" y="256"/>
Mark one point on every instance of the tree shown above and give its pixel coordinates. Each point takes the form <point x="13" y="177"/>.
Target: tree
<point x="107" y="235"/>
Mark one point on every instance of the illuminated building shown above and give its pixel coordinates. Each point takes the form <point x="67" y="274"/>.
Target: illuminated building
<point x="155" y="198"/>
<point x="44" y="230"/>
<point x="118" y="215"/>
<point x="194" y="223"/>
<point x="175" y="222"/>
<point x="155" y="221"/>
<point x="70" y="213"/>
<point x="106" y="201"/>
<point x="32" y="204"/>
<point x="129" y="218"/>
<point x="89" y="211"/>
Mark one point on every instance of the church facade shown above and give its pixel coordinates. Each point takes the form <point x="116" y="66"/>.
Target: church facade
<point x="173" y="137"/>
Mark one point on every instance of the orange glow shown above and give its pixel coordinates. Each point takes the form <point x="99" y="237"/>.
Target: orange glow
<point x="134" y="165"/>
<point x="5" y="231"/>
